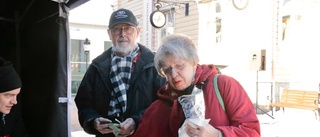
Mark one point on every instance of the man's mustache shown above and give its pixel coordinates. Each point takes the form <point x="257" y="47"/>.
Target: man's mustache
<point x="123" y="39"/>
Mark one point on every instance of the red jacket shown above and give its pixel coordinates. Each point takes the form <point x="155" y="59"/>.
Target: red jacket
<point x="165" y="116"/>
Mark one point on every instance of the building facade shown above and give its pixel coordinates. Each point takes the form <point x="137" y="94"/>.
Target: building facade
<point x="263" y="45"/>
<point x="266" y="45"/>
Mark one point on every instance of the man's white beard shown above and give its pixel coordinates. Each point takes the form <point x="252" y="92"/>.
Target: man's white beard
<point x="122" y="50"/>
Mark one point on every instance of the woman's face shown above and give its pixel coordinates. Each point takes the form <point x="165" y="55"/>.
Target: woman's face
<point x="8" y="100"/>
<point x="179" y="72"/>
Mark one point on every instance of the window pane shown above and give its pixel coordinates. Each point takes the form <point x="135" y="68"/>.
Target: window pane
<point x="107" y="45"/>
<point x="78" y="63"/>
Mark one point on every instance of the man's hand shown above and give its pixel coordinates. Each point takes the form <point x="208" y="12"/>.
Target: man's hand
<point x="101" y="124"/>
<point x="127" y="127"/>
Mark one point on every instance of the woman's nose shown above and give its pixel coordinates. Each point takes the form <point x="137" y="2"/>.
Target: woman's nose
<point x="174" y="72"/>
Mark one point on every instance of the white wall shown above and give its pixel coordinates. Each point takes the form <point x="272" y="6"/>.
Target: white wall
<point x="90" y="20"/>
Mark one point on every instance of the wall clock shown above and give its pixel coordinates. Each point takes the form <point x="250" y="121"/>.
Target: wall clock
<point x="240" y="4"/>
<point x="157" y="19"/>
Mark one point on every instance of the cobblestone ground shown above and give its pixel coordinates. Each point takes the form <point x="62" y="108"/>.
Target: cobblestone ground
<point x="291" y="123"/>
<point x="76" y="129"/>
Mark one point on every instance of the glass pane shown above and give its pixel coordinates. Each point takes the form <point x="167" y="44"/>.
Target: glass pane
<point x="79" y="63"/>
<point x="107" y="45"/>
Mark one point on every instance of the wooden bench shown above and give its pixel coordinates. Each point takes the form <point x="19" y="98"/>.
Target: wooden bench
<point x="299" y="99"/>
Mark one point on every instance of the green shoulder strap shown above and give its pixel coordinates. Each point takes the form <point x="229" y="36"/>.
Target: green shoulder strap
<point x="215" y="82"/>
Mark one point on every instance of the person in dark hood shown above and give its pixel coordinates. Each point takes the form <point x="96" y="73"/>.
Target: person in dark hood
<point x="120" y="84"/>
<point x="189" y="104"/>
<point x="11" y="123"/>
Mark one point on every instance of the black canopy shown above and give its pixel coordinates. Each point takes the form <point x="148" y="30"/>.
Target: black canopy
<point x="34" y="35"/>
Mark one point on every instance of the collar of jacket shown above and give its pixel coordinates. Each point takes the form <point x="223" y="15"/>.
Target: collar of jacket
<point x="102" y="62"/>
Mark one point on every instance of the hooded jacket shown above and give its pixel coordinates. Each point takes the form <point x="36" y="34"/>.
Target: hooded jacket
<point x="12" y="125"/>
<point x="94" y="92"/>
<point x="165" y="116"/>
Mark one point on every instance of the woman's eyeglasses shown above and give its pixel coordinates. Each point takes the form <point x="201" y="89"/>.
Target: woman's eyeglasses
<point x="128" y="30"/>
<point x="165" y="71"/>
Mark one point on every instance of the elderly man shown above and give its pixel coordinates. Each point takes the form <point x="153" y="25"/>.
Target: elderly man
<point x="120" y="84"/>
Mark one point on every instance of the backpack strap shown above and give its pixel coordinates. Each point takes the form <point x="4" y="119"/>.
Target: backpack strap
<point x="216" y="89"/>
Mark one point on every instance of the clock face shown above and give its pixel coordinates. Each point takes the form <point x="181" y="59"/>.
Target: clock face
<point x="240" y="4"/>
<point x="158" y="19"/>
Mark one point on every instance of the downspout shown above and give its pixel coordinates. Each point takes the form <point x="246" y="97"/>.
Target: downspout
<point x="275" y="44"/>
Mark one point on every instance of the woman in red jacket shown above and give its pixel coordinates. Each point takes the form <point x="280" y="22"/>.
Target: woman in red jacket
<point x="177" y="60"/>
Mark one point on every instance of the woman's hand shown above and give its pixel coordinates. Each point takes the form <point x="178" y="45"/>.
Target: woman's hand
<point x="202" y="131"/>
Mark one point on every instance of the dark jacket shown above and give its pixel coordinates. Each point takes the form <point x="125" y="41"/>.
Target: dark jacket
<point x="94" y="92"/>
<point x="12" y="124"/>
<point x="165" y="116"/>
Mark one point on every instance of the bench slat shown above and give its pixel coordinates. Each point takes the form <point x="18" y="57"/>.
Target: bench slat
<point x="293" y="105"/>
<point x="298" y="99"/>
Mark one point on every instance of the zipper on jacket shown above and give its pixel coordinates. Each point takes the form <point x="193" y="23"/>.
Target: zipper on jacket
<point x="3" y="120"/>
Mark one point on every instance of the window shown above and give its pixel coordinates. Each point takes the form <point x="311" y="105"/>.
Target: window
<point x="285" y="22"/>
<point x="218" y="22"/>
<point x="169" y="27"/>
<point x="107" y="45"/>
<point x="79" y="62"/>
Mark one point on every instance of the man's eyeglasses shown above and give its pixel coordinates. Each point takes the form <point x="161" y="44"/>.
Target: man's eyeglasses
<point x="165" y="71"/>
<point x="128" y="30"/>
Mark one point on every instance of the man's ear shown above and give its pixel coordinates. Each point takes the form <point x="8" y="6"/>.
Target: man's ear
<point x="138" y="30"/>
<point x="110" y="35"/>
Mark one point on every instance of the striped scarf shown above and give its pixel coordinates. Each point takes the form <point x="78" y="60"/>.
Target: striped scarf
<point x="120" y="75"/>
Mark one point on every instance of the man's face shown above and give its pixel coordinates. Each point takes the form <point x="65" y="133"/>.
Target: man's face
<point x="123" y="37"/>
<point x="8" y="99"/>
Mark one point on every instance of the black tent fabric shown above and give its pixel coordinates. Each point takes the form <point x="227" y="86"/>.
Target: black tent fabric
<point x="35" y="36"/>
